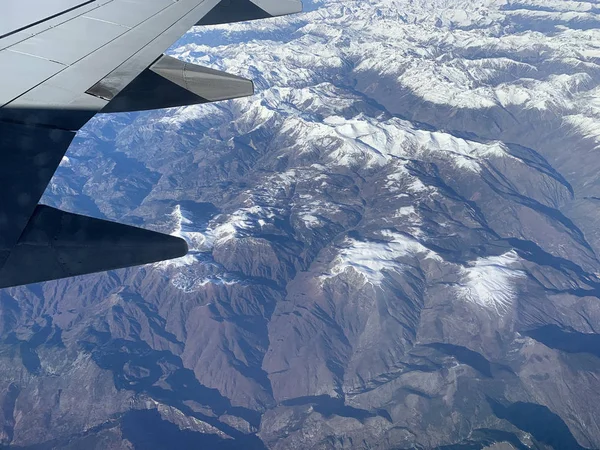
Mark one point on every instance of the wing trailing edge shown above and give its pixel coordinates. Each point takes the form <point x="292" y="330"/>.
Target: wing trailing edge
<point x="170" y="82"/>
<point x="58" y="244"/>
<point x="230" y="11"/>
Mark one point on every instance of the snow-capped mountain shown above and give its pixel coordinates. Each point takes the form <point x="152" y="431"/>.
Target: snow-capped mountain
<point x="394" y="244"/>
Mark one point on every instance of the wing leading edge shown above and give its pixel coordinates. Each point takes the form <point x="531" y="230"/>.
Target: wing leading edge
<point x="84" y="58"/>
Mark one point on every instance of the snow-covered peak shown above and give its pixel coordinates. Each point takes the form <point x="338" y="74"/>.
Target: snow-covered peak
<point x="490" y="282"/>
<point x="372" y="258"/>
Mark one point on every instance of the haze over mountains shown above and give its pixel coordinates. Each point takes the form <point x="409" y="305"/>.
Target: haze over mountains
<point x="394" y="244"/>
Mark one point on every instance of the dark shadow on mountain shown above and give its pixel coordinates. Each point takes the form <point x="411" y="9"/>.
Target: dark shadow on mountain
<point x="465" y="356"/>
<point x="545" y="426"/>
<point x="201" y="212"/>
<point x="329" y="406"/>
<point x="8" y="409"/>
<point x="146" y="430"/>
<point x="530" y="251"/>
<point x="47" y="335"/>
<point x="568" y="341"/>
<point x="134" y="180"/>
<point x="30" y="359"/>
<point x="533" y="159"/>
<point x="138" y="367"/>
<point x="156" y="322"/>
<point x="483" y="438"/>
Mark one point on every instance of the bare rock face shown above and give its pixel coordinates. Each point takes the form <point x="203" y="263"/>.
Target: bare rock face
<point x="394" y="244"/>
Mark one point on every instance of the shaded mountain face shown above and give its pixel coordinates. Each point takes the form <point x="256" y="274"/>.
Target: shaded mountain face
<point x="394" y="244"/>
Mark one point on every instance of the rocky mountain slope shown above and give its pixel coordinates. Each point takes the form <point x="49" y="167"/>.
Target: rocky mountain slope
<point x="394" y="244"/>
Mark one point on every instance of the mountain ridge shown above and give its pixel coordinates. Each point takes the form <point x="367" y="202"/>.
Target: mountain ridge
<point x="393" y="244"/>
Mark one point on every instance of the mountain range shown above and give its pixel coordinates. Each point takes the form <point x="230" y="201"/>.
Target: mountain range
<point x="394" y="244"/>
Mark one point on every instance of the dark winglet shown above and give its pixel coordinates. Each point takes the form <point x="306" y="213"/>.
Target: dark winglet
<point x="58" y="244"/>
<point x="231" y="11"/>
<point x="170" y="82"/>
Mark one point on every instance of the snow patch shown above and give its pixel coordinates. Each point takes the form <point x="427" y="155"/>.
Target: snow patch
<point x="405" y="211"/>
<point x="242" y="219"/>
<point x="371" y="259"/>
<point x="189" y="284"/>
<point x="310" y="221"/>
<point x="588" y="127"/>
<point x="490" y="282"/>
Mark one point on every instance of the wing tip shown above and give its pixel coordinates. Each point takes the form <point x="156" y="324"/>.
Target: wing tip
<point x="177" y="247"/>
<point x="58" y="244"/>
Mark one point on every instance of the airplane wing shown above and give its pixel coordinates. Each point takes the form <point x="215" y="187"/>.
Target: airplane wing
<point x="63" y="61"/>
